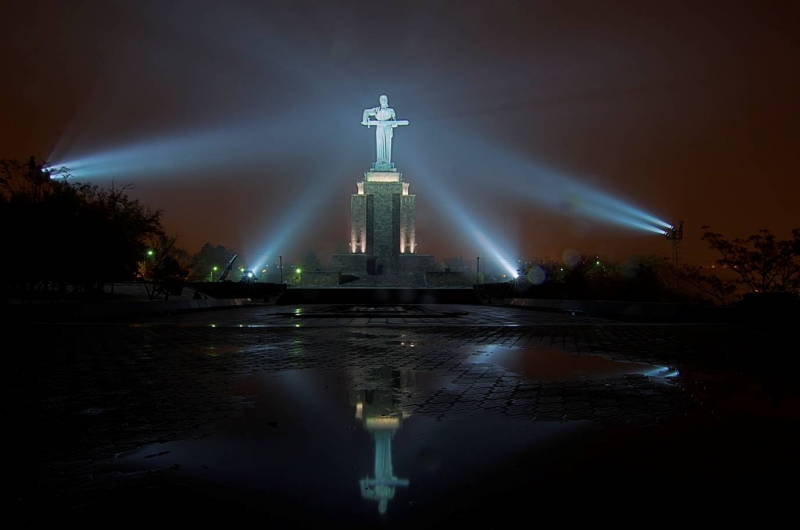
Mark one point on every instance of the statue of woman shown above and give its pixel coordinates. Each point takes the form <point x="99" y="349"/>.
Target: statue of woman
<point x="383" y="133"/>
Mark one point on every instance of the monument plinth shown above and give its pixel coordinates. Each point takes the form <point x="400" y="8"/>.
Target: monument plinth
<point x="382" y="211"/>
<point x="380" y="412"/>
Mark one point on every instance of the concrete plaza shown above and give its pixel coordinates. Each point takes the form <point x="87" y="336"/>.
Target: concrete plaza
<point x="132" y="417"/>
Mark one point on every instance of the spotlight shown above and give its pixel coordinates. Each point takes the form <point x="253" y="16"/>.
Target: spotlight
<point x="674" y="234"/>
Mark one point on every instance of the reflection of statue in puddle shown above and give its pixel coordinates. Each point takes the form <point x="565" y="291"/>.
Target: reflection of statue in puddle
<point x="381" y="416"/>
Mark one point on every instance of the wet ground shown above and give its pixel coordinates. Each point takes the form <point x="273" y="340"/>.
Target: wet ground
<point x="399" y="416"/>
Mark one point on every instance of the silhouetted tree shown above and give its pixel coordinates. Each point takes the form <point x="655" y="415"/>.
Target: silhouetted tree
<point x="720" y="290"/>
<point x="311" y="262"/>
<point x="164" y="268"/>
<point x="639" y="278"/>
<point x="762" y="262"/>
<point x="61" y="234"/>
<point x="208" y="257"/>
<point x="123" y="228"/>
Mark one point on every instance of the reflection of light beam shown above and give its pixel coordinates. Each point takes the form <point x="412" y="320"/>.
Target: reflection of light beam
<point x="662" y="371"/>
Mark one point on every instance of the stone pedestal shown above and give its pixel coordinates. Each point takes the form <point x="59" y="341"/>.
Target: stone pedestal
<point x="415" y="263"/>
<point x="355" y="264"/>
<point x="382" y="227"/>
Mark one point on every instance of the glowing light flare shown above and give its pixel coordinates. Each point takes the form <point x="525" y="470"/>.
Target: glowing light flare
<point x="380" y="422"/>
<point x="493" y="251"/>
<point x="537" y="275"/>
<point x="661" y="371"/>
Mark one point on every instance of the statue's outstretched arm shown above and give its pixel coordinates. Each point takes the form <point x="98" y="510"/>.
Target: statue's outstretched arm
<point x="367" y="114"/>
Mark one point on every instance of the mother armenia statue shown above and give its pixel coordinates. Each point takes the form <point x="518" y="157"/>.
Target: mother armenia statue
<point x="385" y="122"/>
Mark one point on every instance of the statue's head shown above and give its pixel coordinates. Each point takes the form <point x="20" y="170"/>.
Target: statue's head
<point x="384" y="101"/>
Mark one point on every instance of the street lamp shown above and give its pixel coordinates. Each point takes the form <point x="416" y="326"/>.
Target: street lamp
<point x="150" y="252"/>
<point x="211" y="274"/>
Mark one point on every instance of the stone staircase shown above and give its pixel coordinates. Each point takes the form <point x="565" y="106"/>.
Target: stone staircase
<point x="415" y="280"/>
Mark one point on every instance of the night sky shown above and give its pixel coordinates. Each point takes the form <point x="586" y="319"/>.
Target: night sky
<point x="241" y="119"/>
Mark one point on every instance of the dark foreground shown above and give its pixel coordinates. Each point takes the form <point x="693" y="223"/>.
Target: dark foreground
<point x="418" y="416"/>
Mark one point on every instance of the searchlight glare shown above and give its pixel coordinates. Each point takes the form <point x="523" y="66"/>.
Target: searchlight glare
<point x="674" y="234"/>
<point x="488" y="247"/>
<point x="558" y="190"/>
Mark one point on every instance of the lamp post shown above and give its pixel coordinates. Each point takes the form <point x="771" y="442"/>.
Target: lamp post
<point x="211" y="274"/>
<point x="148" y="256"/>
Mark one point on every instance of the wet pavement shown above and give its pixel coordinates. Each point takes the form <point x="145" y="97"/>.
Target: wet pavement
<point x="398" y="416"/>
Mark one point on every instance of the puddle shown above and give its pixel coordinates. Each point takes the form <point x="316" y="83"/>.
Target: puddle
<point x="552" y="364"/>
<point x="348" y="443"/>
<point x="356" y="448"/>
<point x="350" y="311"/>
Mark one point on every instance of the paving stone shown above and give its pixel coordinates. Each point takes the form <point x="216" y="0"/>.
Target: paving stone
<point x="101" y="389"/>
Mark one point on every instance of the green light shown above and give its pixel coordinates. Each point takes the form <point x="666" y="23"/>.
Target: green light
<point x="150" y="252"/>
<point x="299" y="271"/>
<point x="215" y="267"/>
<point x="598" y="263"/>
